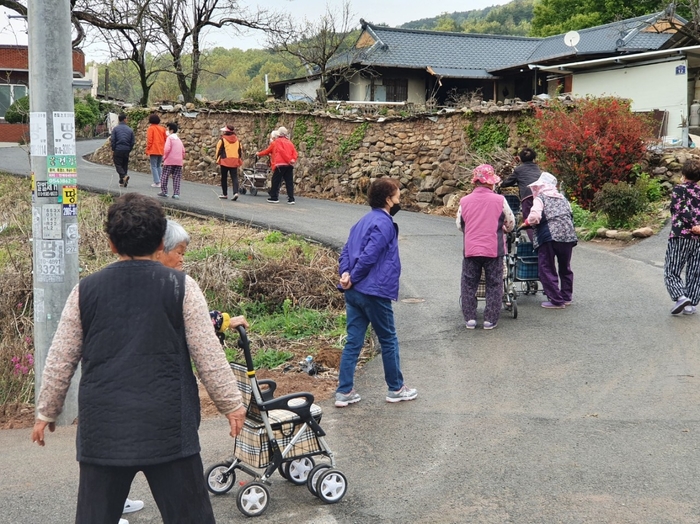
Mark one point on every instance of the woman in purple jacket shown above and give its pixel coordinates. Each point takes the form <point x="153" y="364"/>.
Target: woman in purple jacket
<point x="369" y="269"/>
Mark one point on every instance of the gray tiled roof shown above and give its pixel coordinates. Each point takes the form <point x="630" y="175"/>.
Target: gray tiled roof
<point x="468" y="55"/>
<point x="616" y="37"/>
<point x="456" y="51"/>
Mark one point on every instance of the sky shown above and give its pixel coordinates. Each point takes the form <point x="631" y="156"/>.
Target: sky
<point x="390" y="12"/>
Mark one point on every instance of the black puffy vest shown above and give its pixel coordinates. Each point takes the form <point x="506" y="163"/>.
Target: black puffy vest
<point x="138" y="400"/>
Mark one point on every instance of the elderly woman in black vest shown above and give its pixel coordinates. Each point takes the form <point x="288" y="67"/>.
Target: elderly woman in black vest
<point x="134" y="326"/>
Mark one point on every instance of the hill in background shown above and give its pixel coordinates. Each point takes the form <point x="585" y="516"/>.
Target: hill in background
<point x="513" y="18"/>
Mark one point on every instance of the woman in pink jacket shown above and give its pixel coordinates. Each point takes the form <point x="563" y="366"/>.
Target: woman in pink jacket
<point x="484" y="216"/>
<point x="173" y="158"/>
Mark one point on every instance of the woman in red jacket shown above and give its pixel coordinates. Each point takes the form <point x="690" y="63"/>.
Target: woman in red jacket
<point x="155" y="144"/>
<point x="283" y="156"/>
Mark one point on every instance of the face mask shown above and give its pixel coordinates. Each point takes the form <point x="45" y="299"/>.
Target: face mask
<point x="394" y="209"/>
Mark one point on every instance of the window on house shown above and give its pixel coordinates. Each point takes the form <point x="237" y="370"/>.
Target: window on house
<point x="396" y="89"/>
<point x="8" y="94"/>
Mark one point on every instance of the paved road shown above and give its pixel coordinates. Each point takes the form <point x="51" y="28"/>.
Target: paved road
<point x="589" y="414"/>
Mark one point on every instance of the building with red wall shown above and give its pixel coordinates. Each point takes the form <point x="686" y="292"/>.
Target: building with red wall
<point x="14" y="84"/>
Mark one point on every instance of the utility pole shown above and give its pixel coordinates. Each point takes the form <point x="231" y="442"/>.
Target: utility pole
<point x="54" y="178"/>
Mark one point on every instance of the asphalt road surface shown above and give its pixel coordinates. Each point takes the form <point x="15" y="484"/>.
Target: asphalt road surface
<point x="584" y="415"/>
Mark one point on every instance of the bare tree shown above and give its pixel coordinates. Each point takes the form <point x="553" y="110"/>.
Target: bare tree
<point x="79" y="17"/>
<point x="323" y="46"/>
<point x="135" y="44"/>
<point x="183" y="26"/>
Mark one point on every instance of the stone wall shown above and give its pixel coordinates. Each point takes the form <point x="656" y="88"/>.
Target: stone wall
<point x="339" y="155"/>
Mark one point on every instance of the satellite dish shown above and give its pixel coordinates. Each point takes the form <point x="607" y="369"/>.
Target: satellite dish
<point x="571" y="38"/>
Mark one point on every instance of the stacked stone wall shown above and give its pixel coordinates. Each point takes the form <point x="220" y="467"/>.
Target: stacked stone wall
<point x="339" y="156"/>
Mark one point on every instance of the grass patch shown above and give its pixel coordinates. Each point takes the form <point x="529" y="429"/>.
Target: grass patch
<point x="284" y="285"/>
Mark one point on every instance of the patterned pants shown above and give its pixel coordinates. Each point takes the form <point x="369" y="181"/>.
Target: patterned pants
<point x="680" y="253"/>
<point x="176" y="173"/>
<point x="471" y="274"/>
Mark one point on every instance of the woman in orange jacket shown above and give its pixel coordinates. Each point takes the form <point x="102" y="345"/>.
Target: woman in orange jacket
<point x="155" y="145"/>
<point x="229" y="155"/>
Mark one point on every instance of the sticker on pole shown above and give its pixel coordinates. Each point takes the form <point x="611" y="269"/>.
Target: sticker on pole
<point x="51" y="221"/>
<point x="50" y="261"/>
<point x="64" y="133"/>
<point x="46" y="189"/>
<point x="38" y="140"/>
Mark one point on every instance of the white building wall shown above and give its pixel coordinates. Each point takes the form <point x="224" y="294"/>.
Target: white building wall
<point x="661" y="86"/>
<point x="303" y="90"/>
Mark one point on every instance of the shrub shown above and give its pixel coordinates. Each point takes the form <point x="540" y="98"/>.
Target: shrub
<point x="490" y="136"/>
<point x="18" y="112"/>
<point x="597" y="141"/>
<point x="620" y="202"/>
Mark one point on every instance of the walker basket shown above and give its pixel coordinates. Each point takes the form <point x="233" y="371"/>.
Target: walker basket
<point x="526" y="262"/>
<point x="261" y="167"/>
<point x="252" y="445"/>
<point x="258" y="181"/>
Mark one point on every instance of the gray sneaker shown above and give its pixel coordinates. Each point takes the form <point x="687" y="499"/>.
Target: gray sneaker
<point x="680" y="304"/>
<point x="343" y="399"/>
<point x="405" y="393"/>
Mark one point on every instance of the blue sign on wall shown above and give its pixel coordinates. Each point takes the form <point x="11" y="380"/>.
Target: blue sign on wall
<point x="680" y="70"/>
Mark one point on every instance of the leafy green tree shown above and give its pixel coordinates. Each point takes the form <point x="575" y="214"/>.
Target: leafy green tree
<point x="510" y="19"/>
<point x="446" y="23"/>
<point x="18" y="112"/>
<point x="553" y="17"/>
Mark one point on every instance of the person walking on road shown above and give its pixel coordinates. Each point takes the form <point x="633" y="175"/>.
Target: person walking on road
<point x="155" y="145"/>
<point x="229" y="155"/>
<point x="122" y="141"/>
<point x="484" y="217"/>
<point x="369" y="268"/>
<point x="173" y="159"/>
<point x="683" y="249"/>
<point x="554" y="241"/>
<point x="283" y="156"/>
<point x="522" y="176"/>
<point x="135" y="327"/>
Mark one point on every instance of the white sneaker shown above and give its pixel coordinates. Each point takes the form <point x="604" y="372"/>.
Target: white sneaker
<point x="123" y="521"/>
<point x="131" y="506"/>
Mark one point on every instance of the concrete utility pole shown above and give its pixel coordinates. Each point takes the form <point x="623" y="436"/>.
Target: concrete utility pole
<point x="54" y="177"/>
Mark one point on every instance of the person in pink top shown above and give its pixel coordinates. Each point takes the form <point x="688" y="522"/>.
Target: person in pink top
<point x="484" y="217"/>
<point x="173" y="158"/>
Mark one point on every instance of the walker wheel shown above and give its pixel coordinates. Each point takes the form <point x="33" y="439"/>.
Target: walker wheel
<point x="514" y="310"/>
<point x="252" y="499"/>
<point x="331" y="486"/>
<point x="219" y="479"/>
<point x="242" y="190"/>
<point x="312" y="478"/>
<point x="254" y="191"/>
<point x="297" y="471"/>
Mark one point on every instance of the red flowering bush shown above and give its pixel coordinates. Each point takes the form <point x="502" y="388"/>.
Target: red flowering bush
<point x="595" y="142"/>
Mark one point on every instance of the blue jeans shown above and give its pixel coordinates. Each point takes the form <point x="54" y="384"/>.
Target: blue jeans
<point x="361" y="311"/>
<point x="156" y="167"/>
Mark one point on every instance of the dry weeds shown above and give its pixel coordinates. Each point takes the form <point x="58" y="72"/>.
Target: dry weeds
<point x="233" y="264"/>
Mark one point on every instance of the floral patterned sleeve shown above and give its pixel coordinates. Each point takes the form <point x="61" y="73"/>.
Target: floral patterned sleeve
<point x="205" y="349"/>
<point x="62" y="361"/>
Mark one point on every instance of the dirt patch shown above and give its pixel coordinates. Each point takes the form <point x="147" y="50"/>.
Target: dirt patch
<point x="321" y="387"/>
<point x="16" y="416"/>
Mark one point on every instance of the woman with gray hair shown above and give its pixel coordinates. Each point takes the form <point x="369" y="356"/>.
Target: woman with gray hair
<point x="175" y="244"/>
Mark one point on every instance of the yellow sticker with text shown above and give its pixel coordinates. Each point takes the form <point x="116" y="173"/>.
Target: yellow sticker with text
<point x="70" y="195"/>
